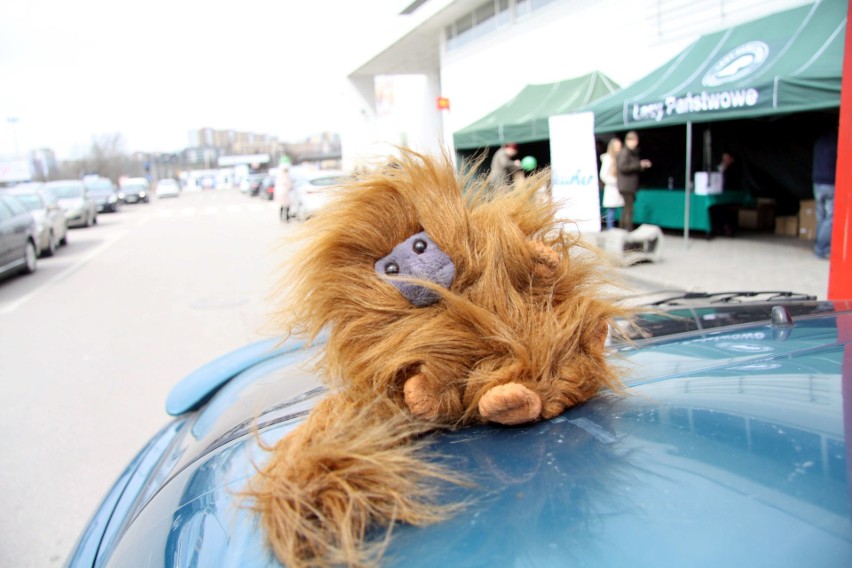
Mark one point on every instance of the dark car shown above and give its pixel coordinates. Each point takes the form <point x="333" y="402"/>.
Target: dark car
<point x="18" y="244"/>
<point x="729" y="449"/>
<point x="51" y="223"/>
<point x="267" y="188"/>
<point x="254" y="183"/>
<point x="105" y="194"/>
<point x="135" y="192"/>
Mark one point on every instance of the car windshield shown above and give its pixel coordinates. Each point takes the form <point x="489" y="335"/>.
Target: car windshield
<point x="66" y="191"/>
<point x="326" y="181"/>
<point x="31" y="200"/>
<point x="100" y="188"/>
<point x="134" y="188"/>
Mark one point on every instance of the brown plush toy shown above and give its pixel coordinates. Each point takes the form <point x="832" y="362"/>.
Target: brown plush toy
<point x="446" y="303"/>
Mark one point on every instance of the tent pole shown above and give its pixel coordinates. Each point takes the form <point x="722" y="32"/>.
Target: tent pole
<point x="687" y="185"/>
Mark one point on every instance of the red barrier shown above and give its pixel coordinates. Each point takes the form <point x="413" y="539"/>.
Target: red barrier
<point x="840" y="270"/>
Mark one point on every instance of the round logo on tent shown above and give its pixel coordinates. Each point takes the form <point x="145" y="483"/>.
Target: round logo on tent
<point x="736" y="64"/>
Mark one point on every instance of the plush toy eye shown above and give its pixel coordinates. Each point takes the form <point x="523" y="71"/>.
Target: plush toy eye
<point x="391" y="268"/>
<point x="419" y="246"/>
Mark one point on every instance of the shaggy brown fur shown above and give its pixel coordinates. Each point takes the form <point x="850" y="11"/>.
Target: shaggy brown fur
<point x="519" y="336"/>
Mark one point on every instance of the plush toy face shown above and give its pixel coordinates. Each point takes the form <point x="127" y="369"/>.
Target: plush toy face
<point x="458" y="304"/>
<point x="417" y="257"/>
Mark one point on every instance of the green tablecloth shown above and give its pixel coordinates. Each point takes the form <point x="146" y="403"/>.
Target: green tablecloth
<point x="665" y="207"/>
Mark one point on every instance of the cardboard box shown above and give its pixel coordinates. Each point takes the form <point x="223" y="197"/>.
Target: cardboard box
<point x="758" y="218"/>
<point x="787" y="225"/>
<point x="807" y="220"/>
<point x="707" y="183"/>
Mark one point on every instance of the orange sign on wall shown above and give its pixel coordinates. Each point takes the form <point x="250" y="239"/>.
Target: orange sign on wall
<point x="443" y="103"/>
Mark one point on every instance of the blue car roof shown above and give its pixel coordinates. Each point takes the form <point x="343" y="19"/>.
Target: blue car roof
<point x="729" y="449"/>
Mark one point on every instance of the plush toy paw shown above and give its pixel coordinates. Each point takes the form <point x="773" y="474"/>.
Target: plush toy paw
<point x="420" y="400"/>
<point x="510" y="404"/>
<point x="545" y="258"/>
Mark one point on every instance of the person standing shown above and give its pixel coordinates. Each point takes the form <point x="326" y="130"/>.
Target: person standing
<point x="504" y="165"/>
<point x="824" y="168"/>
<point x="612" y="199"/>
<point x="629" y="166"/>
<point x="283" y="185"/>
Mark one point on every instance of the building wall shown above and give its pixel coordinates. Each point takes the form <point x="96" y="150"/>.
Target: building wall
<point x="539" y="42"/>
<point x="625" y="39"/>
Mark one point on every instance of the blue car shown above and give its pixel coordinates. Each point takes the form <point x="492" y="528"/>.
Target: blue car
<point x="729" y="450"/>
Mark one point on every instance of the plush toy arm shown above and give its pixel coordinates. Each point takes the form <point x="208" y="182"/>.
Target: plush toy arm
<point x="431" y="400"/>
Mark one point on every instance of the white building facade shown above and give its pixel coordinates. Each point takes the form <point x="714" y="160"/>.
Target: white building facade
<point x="478" y="54"/>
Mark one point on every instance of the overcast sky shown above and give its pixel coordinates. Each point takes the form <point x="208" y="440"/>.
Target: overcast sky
<point x="154" y="70"/>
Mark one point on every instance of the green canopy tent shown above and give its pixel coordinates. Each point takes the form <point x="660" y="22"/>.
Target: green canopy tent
<point x="525" y="117"/>
<point x="785" y="63"/>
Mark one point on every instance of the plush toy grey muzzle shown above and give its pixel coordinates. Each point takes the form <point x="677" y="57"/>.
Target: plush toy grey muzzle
<point x="417" y="257"/>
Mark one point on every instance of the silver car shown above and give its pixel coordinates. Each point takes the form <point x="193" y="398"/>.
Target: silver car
<point x="51" y="224"/>
<point x="312" y="190"/>
<point x="72" y="196"/>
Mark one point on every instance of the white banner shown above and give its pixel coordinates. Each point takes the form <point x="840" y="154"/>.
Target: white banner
<point x="15" y="170"/>
<point x="574" y="169"/>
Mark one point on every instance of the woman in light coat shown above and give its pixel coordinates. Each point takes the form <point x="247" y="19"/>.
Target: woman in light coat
<point x="609" y="176"/>
<point x="283" y="185"/>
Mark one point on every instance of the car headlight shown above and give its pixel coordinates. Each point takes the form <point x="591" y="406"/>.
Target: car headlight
<point x="141" y="194"/>
<point x="112" y="199"/>
<point x="121" y="195"/>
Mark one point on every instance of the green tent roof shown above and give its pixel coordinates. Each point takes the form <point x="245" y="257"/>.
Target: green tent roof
<point x="787" y="62"/>
<point x="524" y="117"/>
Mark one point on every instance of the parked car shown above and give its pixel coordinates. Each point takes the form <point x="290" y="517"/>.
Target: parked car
<point x="73" y="197"/>
<point x="730" y="448"/>
<point x="51" y="224"/>
<point x="254" y="181"/>
<point x="18" y="244"/>
<point x="105" y="194"/>
<point x="168" y="188"/>
<point x="267" y="188"/>
<point x="135" y="192"/>
<point x="312" y="190"/>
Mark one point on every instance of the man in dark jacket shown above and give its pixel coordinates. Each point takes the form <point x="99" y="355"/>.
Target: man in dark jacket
<point x="629" y="165"/>
<point x="825" y="164"/>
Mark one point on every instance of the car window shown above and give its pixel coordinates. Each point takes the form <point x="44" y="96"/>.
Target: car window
<point x="325" y="181"/>
<point x="100" y="187"/>
<point x="65" y="191"/>
<point x="5" y="212"/>
<point x="30" y="200"/>
<point x="15" y="205"/>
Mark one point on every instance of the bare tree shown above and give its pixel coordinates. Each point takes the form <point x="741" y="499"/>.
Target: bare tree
<point x="108" y="156"/>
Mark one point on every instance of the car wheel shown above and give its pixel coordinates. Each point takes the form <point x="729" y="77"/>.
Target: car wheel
<point x="64" y="240"/>
<point x="31" y="258"/>
<point x="51" y="245"/>
<point x="95" y="219"/>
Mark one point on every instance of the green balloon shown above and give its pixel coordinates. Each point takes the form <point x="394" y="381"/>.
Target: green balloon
<point x="529" y="163"/>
